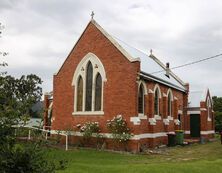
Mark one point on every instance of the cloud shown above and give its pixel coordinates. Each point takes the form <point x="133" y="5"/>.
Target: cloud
<point x="39" y="34"/>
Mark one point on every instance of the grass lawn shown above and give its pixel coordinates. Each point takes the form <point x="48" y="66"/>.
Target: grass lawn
<point x="195" y="158"/>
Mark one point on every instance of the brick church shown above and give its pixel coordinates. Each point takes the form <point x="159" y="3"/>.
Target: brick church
<point x="103" y="77"/>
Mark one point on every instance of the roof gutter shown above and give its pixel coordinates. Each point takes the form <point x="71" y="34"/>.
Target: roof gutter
<point x="154" y="78"/>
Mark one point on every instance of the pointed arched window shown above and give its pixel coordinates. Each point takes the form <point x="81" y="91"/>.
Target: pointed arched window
<point x="208" y="109"/>
<point x="89" y="80"/>
<point x="156" y="102"/>
<point x="169" y="108"/>
<point x="98" y="92"/>
<point x="79" y="94"/>
<point x="141" y="100"/>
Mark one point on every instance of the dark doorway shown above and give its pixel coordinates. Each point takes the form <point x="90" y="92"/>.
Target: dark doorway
<point x="195" y="125"/>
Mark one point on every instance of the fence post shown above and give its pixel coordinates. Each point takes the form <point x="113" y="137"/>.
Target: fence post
<point x="29" y="137"/>
<point x="46" y="135"/>
<point x="66" y="142"/>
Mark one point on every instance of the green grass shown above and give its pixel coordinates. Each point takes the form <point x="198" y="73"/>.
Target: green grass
<point x="195" y="158"/>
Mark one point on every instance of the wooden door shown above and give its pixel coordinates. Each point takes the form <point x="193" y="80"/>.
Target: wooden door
<point x="195" y="125"/>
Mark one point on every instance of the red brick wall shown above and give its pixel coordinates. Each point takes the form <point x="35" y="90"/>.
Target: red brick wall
<point x="145" y="127"/>
<point x="120" y="90"/>
<point x="205" y="125"/>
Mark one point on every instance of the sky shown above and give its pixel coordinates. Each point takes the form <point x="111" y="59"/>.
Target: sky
<point x="40" y="34"/>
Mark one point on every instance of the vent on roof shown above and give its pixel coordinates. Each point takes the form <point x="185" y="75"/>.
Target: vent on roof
<point x="168" y="69"/>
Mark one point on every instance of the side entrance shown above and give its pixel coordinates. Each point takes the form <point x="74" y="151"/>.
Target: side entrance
<point x="195" y="125"/>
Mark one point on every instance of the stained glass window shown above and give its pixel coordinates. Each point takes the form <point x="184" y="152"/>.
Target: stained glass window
<point x="79" y="94"/>
<point x="89" y="79"/>
<point x="98" y="92"/>
<point x="209" y="108"/>
<point x="169" y="110"/>
<point x="141" y="100"/>
<point x="156" y="102"/>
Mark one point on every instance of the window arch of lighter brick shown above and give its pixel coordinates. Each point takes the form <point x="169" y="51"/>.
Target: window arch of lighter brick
<point x="144" y="87"/>
<point x="171" y="94"/>
<point x="81" y="70"/>
<point x="97" y="67"/>
<point x="208" y="107"/>
<point x="157" y="87"/>
<point x="208" y="102"/>
<point x="169" y="104"/>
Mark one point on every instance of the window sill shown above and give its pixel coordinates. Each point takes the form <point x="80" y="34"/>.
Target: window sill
<point x="170" y="117"/>
<point x="209" y="119"/>
<point x="166" y="121"/>
<point x="135" y="120"/>
<point x="177" y="122"/>
<point x="157" y="117"/>
<point x="89" y="113"/>
<point x="142" y="116"/>
<point x="152" y="121"/>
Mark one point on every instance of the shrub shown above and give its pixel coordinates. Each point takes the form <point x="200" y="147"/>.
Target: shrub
<point x="218" y="121"/>
<point x="25" y="158"/>
<point x="89" y="130"/>
<point x="118" y="127"/>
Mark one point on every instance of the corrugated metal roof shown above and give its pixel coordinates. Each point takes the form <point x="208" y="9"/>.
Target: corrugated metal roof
<point x="34" y="122"/>
<point x="149" y="65"/>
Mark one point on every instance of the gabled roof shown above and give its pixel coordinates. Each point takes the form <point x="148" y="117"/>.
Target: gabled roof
<point x="149" y="63"/>
<point x="195" y="97"/>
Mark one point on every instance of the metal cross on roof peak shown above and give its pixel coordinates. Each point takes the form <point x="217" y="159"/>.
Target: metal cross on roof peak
<point x="151" y="51"/>
<point x="92" y="15"/>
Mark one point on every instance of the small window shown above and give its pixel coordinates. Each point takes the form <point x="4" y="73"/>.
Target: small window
<point x="156" y="102"/>
<point x="89" y="80"/>
<point x="169" y="110"/>
<point x="208" y="108"/>
<point x="141" y="100"/>
<point x="98" y="92"/>
<point x="79" y="94"/>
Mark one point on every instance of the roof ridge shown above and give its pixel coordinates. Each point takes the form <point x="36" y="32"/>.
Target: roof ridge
<point x="115" y="43"/>
<point x="130" y="45"/>
<point x="129" y="56"/>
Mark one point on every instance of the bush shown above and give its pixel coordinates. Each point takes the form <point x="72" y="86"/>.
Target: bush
<point x="120" y="132"/>
<point x="22" y="158"/>
<point x="218" y="121"/>
<point x="89" y="130"/>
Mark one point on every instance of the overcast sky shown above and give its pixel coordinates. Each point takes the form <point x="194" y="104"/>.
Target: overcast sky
<point x="39" y="34"/>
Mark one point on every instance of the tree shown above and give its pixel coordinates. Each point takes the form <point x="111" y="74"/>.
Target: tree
<point x="217" y="112"/>
<point x="17" y="95"/>
<point x="2" y="53"/>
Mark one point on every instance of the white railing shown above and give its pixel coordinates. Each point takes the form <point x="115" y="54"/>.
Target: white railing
<point x="46" y="133"/>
